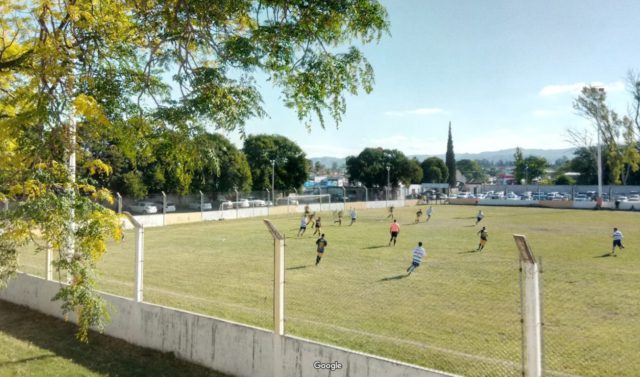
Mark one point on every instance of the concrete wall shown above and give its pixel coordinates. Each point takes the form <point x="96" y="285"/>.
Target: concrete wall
<point x="228" y="347"/>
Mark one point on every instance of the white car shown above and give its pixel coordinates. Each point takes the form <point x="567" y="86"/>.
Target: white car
<point x="580" y="198"/>
<point x="634" y="197"/>
<point x="257" y="203"/>
<point x="242" y="203"/>
<point x="226" y="204"/>
<point x="144" y="207"/>
<point x="171" y="207"/>
<point x="206" y="206"/>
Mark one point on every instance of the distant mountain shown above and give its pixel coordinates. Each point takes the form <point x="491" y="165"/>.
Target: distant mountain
<point x="505" y="155"/>
<point x="329" y="161"/>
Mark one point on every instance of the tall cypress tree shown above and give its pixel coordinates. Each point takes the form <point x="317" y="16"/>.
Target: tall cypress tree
<point x="450" y="160"/>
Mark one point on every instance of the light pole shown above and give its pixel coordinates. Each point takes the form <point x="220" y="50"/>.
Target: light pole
<point x="388" y="184"/>
<point x="526" y="174"/>
<point x="273" y="181"/>
<point x="600" y="93"/>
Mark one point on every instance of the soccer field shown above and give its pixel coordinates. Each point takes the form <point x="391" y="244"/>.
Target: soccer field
<point x="458" y="312"/>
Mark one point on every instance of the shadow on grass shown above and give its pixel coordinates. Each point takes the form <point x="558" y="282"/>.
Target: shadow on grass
<point x="397" y="277"/>
<point x="375" y="247"/>
<point x="26" y="360"/>
<point x="470" y="226"/>
<point x="603" y="255"/>
<point x="467" y="252"/>
<point x="104" y="355"/>
<point x="299" y="267"/>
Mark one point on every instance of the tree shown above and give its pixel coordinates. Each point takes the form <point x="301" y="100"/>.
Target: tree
<point x="621" y="153"/>
<point x="520" y="172"/>
<point x="472" y="170"/>
<point x="291" y="167"/>
<point x="227" y="167"/>
<point x="450" y="160"/>
<point x="564" y="180"/>
<point x="434" y="170"/>
<point x="80" y="70"/>
<point x="415" y="172"/>
<point x="370" y="168"/>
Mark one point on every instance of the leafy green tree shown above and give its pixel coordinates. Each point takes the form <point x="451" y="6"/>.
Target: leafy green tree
<point x="370" y="168"/>
<point x="415" y="172"/>
<point x="450" y="160"/>
<point x="564" y="180"/>
<point x="434" y="170"/>
<point x="102" y="73"/>
<point x="291" y="166"/>
<point x="621" y="152"/>
<point x="472" y="170"/>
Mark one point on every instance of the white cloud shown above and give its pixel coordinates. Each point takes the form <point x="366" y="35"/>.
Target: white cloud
<point x="574" y="89"/>
<point x="419" y="111"/>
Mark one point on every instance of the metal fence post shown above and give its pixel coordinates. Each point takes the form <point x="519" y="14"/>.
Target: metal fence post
<point x="164" y="208"/>
<point x="366" y="193"/>
<point x="49" y="268"/>
<point x="531" y="309"/>
<point x="119" y="202"/>
<point x="201" y="205"/>
<point x="278" y="297"/>
<point x="139" y="260"/>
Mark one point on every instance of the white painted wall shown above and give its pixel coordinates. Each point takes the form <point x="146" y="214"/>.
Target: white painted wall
<point x="228" y="347"/>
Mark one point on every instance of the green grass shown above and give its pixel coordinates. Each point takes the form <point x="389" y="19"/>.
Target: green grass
<point x="32" y="344"/>
<point x="458" y="312"/>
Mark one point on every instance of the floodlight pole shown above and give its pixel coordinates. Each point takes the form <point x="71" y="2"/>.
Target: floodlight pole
<point x="366" y="193"/>
<point x="273" y="180"/>
<point x="344" y="196"/>
<point x="531" y="309"/>
<point x="388" y="184"/>
<point x="600" y="92"/>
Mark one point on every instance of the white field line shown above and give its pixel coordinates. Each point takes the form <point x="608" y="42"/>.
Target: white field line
<point x="504" y="363"/>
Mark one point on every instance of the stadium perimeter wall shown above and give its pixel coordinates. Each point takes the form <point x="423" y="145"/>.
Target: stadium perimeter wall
<point x="228" y="347"/>
<point x="230" y="214"/>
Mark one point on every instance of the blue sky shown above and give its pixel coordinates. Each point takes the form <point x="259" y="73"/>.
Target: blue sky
<point x="505" y="73"/>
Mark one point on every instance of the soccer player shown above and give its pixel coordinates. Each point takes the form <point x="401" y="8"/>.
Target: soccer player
<point x="318" y="226"/>
<point x="418" y="254"/>
<point x="479" y="217"/>
<point x="321" y="243"/>
<point x="390" y="213"/>
<point x="483" y="238"/>
<point x="429" y="212"/>
<point x="339" y="220"/>
<point x="617" y="241"/>
<point x="394" y="229"/>
<point x="418" y="215"/>
<point x="303" y="226"/>
<point x="311" y="217"/>
<point x="354" y="216"/>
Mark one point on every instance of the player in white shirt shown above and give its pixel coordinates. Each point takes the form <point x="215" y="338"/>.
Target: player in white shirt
<point x="617" y="241"/>
<point x="418" y="254"/>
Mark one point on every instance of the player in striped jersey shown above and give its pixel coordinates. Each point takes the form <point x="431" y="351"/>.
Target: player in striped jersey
<point x="418" y="254"/>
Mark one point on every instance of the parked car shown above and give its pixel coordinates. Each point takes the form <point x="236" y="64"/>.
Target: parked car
<point x="581" y="198"/>
<point x="206" y="206"/>
<point x="622" y="198"/>
<point x="256" y="202"/>
<point x="633" y="196"/>
<point x="242" y="203"/>
<point x="171" y="207"/>
<point x="226" y="204"/>
<point x="512" y="196"/>
<point x="144" y="207"/>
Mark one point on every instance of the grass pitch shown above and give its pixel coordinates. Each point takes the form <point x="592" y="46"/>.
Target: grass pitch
<point x="458" y="312"/>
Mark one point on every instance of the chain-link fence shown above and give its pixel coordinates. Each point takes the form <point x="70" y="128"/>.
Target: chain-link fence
<point x="592" y="320"/>
<point x="465" y="321"/>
